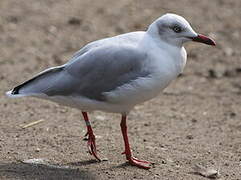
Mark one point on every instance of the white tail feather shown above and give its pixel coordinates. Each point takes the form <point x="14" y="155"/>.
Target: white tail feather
<point x="9" y="94"/>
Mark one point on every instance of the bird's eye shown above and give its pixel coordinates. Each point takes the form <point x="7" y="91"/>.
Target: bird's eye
<point x="177" y="29"/>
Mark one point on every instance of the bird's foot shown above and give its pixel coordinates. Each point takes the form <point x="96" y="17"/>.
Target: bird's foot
<point x="139" y="163"/>
<point x="136" y="162"/>
<point x="92" y="146"/>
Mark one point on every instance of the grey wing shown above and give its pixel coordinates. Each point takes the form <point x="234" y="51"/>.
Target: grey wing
<point x="90" y="74"/>
<point x="95" y="72"/>
<point x="42" y="83"/>
<point x="105" y="69"/>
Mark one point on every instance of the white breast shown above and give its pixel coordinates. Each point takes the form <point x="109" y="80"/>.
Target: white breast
<point x="164" y="66"/>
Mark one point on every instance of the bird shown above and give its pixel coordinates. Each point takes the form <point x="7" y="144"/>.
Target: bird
<point x="115" y="74"/>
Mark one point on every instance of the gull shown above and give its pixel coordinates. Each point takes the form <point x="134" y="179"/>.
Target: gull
<point x="115" y="74"/>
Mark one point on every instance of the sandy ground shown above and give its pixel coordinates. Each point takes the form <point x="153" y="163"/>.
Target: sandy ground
<point x="195" y="121"/>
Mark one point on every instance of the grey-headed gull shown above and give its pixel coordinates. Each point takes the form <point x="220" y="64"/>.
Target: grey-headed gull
<point x="117" y="73"/>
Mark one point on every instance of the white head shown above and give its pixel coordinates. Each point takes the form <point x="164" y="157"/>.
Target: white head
<point x="175" y="30"/>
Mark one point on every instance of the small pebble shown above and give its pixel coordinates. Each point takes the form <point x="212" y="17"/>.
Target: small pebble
<point x="74" y="21"/>
<point x="194" y="120"/>
<point x="189" y="136"/>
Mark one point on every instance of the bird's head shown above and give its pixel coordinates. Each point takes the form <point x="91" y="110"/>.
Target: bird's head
<point x="175" y="30"/>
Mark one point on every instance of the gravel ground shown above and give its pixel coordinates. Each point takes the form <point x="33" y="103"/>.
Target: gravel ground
<point x="195" y="121"/>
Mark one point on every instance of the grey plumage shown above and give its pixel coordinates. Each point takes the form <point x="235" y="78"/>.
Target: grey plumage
<point x="103" y="70"/>
<point x="35" y="85"/>
<point x="90" y="73"/>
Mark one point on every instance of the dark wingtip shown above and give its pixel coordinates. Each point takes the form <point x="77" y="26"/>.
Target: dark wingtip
<point x="15" y="90"/>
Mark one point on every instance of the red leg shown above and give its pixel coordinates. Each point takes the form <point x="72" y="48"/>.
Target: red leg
<point x="132" y="160"/>
<point x="91" y="137"/>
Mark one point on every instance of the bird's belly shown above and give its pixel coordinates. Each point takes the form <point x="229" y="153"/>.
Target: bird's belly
<point x="121" y="100"/>
<point x="86" y="104"/>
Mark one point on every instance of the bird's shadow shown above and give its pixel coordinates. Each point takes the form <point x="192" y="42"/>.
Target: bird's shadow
<point x="83" y="163"/>
<point x="89" y="162"/>
<point x="18" y="170"/>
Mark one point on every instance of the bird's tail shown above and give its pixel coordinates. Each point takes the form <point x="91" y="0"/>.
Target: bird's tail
<point x="12" y="95"/>
<point x="37" y="85"/>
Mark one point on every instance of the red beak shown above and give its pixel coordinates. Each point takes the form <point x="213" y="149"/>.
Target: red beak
<point x="204" y="39"/>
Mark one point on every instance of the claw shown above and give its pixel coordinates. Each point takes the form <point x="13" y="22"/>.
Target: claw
<point x="136" y="162"/>
<point x="92" y="146"/>
<point x="139" y="163"/>
<point x="142" y="161"/>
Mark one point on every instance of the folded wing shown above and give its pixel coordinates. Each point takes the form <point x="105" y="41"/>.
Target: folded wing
<point x="98" y="70"/>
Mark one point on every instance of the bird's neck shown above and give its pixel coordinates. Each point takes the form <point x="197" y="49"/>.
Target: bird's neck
<point x="173" y="56"/>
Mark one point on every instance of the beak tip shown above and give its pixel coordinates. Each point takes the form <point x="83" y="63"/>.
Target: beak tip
<point x="213" y="43"/>
<point x="204" y="39"/>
